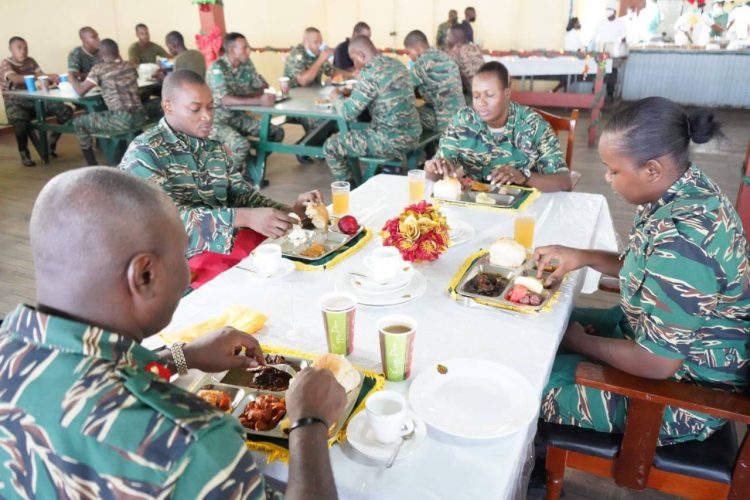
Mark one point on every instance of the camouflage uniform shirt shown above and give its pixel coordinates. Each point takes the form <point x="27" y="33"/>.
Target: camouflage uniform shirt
<point x="8" y="67"/>
<point x="118" y="81"/>
<point x="298" y="61"/>
<point x="469" y="59"/>
<point x="385" y="89"/>
<point x="442" y="33"/>
<point x="81" y="61"/>
<point x="198" y="175"/>
<point x="81" y="417"/>
<point x="685" y="283"/>
<point x="527" y="140"/>
<point x="436" y="77"/>
<point x="224" y="80"/>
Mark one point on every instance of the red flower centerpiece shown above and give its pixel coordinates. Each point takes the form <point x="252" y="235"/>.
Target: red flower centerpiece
<point x="420" y="232"/>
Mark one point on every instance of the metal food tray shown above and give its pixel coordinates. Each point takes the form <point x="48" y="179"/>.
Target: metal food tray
<point x="469" y="197"/>
<point x="483" y="265"/>
<point x="243" y="395"/>
<point x="331" y="240"/>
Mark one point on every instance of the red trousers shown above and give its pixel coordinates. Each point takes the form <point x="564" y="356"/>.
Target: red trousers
<point x="207" y="265"/>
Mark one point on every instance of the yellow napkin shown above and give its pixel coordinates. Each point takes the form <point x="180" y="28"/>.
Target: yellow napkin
<point x="239" y="317"/>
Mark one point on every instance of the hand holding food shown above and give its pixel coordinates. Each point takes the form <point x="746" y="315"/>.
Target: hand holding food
<point x="568" y="259"/>
<point x="269" y="222"/>
<point x="221" y="349"/>
<point x="507" y="174"/>
<point x="315" y="392"/>
<point x="439" y="168"/>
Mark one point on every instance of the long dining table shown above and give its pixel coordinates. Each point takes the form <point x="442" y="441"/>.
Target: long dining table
<point x="443" y="466"/>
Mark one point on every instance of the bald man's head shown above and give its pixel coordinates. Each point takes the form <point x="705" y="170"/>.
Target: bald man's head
<point x="109" y="249"/>
<point x="456" y="36"/>
<point x="312" y="40"/>
<point x="187" y="103"/>
<point x="361" y="50"/>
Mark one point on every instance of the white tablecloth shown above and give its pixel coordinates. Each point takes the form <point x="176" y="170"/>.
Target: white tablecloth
<point x="538" y="66"/>
<point x="443" y="467"/>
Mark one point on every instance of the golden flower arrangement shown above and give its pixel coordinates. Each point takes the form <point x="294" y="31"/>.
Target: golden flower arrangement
<point x="420" y="232"/>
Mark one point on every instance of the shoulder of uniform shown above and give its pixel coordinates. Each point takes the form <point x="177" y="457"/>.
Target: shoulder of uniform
<point x="466" y="116"/>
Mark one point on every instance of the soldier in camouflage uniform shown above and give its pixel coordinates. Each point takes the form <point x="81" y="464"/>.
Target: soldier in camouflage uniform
<point x="305" y="66"/>
<point x="213" y="199"/>
<point x="684" y="280"/>
<point x="86" y="410"/>
<point x="384" y="88"/>
<point x="118" y="81"/>
<point x="82" y="59"/>
<point x="436" y="78"/>
<point x="468" y="57"/>
<point x="500" y="141"/>
<point x="234" y="81"/>
<point x="442" y="32"/>
<point x="20" y="111"/>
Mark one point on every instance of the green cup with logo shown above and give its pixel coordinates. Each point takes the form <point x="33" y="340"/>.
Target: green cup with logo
<point x="397" y="333"/>
<point x="338" y="310"/>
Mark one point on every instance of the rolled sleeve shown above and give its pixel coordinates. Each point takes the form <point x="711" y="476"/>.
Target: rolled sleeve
<point x="364" y="92"/>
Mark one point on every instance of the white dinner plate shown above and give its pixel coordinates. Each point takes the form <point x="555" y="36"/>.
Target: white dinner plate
<point x="360" y="436"/>
<point x="474" y="399"/>
<point x="413" y="290"/>
<point x="286" y="267"/>
<point x="460" y="231"/>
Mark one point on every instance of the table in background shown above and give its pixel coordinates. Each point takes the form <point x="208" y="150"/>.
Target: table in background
<point x="91" y="102"/>
<point x="301" y="104"/>
<point x="530" y="66"/>
<point x="446" y="467"/>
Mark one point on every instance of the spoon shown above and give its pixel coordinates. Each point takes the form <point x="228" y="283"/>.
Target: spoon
<point x="404" y="438"/>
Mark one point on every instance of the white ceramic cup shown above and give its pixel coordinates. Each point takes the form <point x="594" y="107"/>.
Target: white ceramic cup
<point x="267" y="259"/>
<point x="386" y="415"/>
<point x="383" y="264"/>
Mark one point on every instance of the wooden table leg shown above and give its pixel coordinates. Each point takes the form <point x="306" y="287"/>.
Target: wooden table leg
<point x="555" y="466"/>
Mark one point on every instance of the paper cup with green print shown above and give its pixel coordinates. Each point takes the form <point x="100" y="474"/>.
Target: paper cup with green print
<point x="397" y="333"/>
<point x="339" y="310"/>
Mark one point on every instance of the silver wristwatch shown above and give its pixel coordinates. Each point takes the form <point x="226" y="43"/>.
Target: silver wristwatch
<point x="178" y="355"/>
<point x="526" y="173"/>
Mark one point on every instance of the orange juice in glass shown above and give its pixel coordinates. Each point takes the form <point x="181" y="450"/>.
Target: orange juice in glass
<point x="340" y="196"/>
<point x="524" y="231"/>
<point x="416" y="185"/>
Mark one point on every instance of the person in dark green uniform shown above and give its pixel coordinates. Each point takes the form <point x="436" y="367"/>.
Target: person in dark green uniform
<point x="118" y="81"/>
<point x="385" y="89"/>
<point x="87" y="409"/>
<point x="436" y="79"/>
<point x="20" y="111"/>
<point x="234" y="81"/>
<point x="81" y="59"/>
<point x="144" y="50"/>
<point x="184" y="58"/>
<point x="499" y="141"/>
<point x="684" y="310"/>
<point x="442" y="32"/>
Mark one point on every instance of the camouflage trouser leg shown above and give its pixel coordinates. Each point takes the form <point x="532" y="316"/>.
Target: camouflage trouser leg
<point x="104" y="121"/>
<point x="233" y="134"/>
<point x="307" y="123"/>
<point x="428" y="117"/>
<point x="341" y="148"/>
<point x="564" y="402"/>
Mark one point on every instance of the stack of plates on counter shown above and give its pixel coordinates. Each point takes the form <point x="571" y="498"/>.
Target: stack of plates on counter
<point x="407" y="285"/>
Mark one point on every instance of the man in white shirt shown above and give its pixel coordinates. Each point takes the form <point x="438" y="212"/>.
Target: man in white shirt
<point x="609" y="34"/>
<point x="573" y="41"/>
<point x="739" y="23"/>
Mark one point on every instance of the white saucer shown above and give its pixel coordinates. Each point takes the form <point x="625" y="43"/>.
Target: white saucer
<point x="286" y="267"/>
<point x="460" y="231"/>
<point x="362" y="439"/>
<point x="413" y="290"/>
<point x="398" y="282"/>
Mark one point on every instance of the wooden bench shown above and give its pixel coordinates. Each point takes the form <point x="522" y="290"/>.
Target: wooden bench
<point x="114" y="144"/>
<point x="412" y="157"/>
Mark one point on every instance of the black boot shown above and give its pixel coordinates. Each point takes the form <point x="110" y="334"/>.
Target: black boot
<point x="89" y="156"/>
<point x="26" y="158"/>
<point x="53" y="138"/>
<point x="304" y="160"/>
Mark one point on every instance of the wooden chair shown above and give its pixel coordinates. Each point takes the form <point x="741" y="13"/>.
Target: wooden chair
<point x="743" y="196"/>
<point x="710" y="469"/>
<point x="562" y="124"/>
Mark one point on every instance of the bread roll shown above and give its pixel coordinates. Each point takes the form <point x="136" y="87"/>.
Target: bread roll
<point x="448" y="189"/>
<point x="342" y="369"/>
<point x="507" y="252"/>
<point x="318" y="213"/>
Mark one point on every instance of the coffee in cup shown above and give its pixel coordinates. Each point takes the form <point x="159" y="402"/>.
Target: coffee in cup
<point x="397" y="333"/>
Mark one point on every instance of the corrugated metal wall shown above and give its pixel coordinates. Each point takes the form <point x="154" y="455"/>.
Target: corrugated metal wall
<point x="689" y="77"/>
